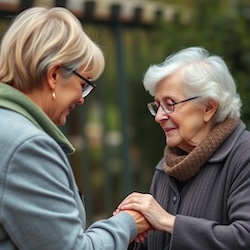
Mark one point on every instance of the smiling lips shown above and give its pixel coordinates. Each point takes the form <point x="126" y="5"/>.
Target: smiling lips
<point x="71" y="108"/>
<point x="169" y="130"/>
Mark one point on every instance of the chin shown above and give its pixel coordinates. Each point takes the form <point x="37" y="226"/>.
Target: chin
<point x="61" y="122"/>
<point x="171" y="143"/>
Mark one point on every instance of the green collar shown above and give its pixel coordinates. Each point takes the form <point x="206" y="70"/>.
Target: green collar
<point x="11" y="98"/>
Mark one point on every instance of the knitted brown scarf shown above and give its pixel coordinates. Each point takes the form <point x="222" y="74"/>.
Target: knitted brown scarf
<point x="184" y="166"/>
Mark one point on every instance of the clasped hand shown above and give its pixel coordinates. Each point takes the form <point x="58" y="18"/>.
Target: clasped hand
<point x="156" y="216"/>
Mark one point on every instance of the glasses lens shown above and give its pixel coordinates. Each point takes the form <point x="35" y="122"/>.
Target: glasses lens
<point x="87" y="89"/>
<point x="168" y="107"/>
<point x="153" y="108"/>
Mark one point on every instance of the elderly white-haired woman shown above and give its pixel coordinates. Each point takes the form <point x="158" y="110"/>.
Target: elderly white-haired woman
<point x="199" y="196"/>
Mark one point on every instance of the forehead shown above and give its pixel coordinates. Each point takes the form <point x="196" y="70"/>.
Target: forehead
<point x="170" y="86"/>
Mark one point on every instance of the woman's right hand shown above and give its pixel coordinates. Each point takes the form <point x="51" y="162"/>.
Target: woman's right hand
<point x="141" y="222"/>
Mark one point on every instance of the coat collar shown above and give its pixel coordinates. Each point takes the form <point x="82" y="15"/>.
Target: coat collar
<point x="11" y="98"/>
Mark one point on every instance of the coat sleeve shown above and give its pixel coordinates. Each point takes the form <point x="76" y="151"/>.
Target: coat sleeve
<point x="40" y="208"/>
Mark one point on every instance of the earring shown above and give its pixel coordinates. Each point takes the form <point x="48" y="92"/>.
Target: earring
<point x="53" y="96"/>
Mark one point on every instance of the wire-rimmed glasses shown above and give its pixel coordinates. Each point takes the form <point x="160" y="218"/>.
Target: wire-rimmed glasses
<point x="168" y="106"/>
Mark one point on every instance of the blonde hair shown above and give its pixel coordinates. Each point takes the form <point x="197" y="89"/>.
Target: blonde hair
<point x="40" y="37"/>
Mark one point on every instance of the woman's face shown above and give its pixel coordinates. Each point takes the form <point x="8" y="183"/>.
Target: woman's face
<point x="68" y="94"/>
<point x="188" y="124"/>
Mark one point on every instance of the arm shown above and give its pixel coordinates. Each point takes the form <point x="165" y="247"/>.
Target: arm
<point x="42" y="209"/>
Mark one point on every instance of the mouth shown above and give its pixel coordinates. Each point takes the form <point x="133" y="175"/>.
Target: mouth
<point x="71" y="108"/>
<point x="169" y="130"/>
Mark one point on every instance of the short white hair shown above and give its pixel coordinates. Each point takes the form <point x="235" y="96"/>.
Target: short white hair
<point x="203" y="75"/>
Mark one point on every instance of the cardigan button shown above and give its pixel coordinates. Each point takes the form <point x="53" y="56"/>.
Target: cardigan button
<point x="174" y="199"/>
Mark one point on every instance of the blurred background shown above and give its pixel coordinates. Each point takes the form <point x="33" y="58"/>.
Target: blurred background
<point x="118" y="142"/>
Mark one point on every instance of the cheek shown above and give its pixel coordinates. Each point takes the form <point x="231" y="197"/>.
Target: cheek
<point x="191" y="127"/>
<point x="187" y="125"/>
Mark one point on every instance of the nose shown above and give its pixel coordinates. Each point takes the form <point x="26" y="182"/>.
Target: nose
<point x="161" y="115"/>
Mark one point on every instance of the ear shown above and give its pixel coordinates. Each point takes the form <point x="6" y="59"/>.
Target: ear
<point x="210" y="109"/>
<point x="53" y="76"/>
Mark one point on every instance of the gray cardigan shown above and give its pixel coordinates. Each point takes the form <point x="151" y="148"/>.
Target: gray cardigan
<point x="40" y="207"/>
<point x="213" y="208"/>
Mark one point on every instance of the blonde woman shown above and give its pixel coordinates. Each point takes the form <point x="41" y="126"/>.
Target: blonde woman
<point x="47" y="65"/>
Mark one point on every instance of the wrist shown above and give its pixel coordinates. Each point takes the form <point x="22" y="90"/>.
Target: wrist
<point x="168" y="224"/>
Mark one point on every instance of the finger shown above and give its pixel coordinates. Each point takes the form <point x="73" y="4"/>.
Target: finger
<point x="137" y="240"/>
<point x="132" y="206"/>
<point x="130" y="200"/>
<point x="141" y="237"/>
<point x="117" y="211"/>
<point x="132" y="196"/>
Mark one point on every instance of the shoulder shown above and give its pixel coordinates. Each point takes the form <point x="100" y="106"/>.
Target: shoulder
<point x="13" y="122"/>
<point x="16" y="127"/>
<point x="19" y="134"/>
<point x="237" y="143"/>
<point x="240" y="143"/>
<point x="234" y="154"/>
<point x="160" y="165"/>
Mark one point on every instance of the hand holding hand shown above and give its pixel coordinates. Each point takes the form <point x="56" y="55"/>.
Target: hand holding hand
<point x="151" y="209"/>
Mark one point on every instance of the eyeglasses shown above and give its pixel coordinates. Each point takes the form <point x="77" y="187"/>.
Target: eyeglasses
<point x="168" y="106"/>
<point x="87" y="87"/>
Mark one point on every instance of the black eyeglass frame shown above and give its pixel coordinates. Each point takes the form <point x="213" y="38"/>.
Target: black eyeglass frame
<point x="86" y="86"/>
<point x="153" y="112"/>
